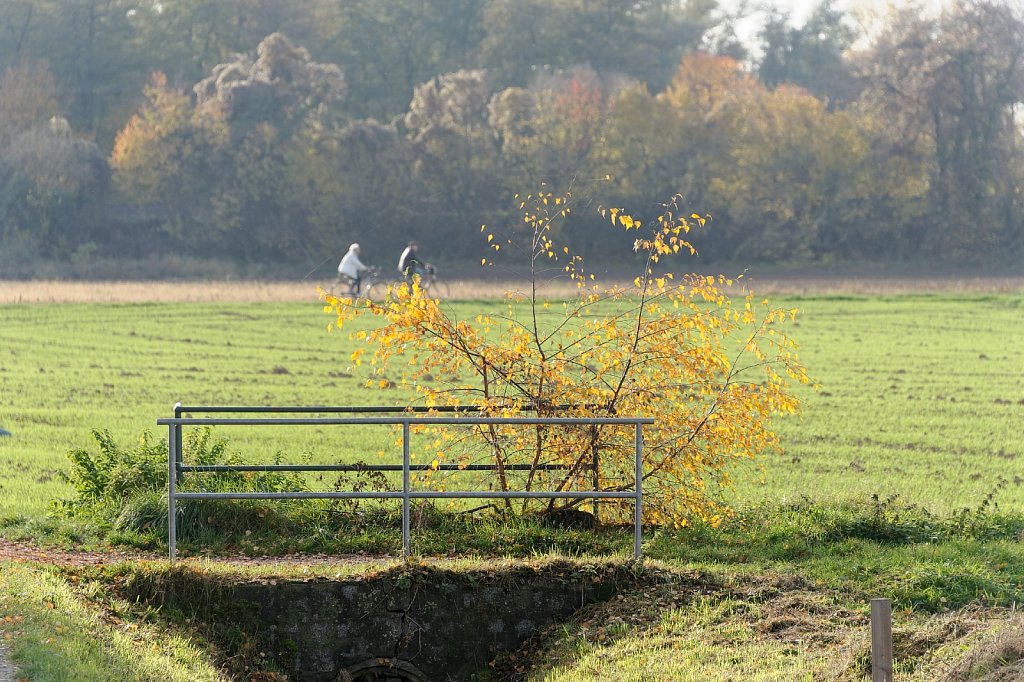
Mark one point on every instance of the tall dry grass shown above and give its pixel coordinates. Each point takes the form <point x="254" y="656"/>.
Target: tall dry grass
<point x="52" y="291"/>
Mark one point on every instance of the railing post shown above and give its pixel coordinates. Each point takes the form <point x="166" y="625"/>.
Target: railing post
<point x="173" y="431"/>
<point x="179" y="457"/>
<point x="639" y="478"/>
<point x="405" y="489"/>
<point x="597" y="471"/>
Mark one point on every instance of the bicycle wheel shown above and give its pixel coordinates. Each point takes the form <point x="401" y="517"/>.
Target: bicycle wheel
<point x="439" y="289"/>
<point x="378" y="289"/>
<point x="341" y="288"/>
<point x="374" y="290"/>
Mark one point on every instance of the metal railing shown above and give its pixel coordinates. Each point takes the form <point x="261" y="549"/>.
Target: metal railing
<point x="176" y="466"/>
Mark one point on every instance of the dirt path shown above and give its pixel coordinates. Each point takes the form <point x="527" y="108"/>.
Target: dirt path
<point x="26" y="551"/>
<point x="58" y="556"/>
<point x="8" y="673"/>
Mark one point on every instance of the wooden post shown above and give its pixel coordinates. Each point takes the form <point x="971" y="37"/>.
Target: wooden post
<point x="881" y="640"/>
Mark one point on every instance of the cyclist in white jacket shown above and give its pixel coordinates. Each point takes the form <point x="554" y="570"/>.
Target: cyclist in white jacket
<point x="350" y="269"/>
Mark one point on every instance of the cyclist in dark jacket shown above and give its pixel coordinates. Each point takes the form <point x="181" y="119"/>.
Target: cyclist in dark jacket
<point x="409" y="264"/>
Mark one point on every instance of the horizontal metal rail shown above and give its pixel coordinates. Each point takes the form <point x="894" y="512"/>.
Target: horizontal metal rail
<point x="426" y="419"/>
<point x="349" y="409"/>
<point x="180" y="409"/>
<point x="369" y="467"/>
<point x="411" y="416"/>
<point x="414" y="495"/>
<point x="324" y="409"/>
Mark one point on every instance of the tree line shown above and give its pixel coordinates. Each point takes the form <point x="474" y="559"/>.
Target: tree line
<point x="272" y="132"/>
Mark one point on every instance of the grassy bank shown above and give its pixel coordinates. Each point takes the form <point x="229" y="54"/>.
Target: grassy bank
<point x="56" y="633"/>
<point x="770" y="602"/>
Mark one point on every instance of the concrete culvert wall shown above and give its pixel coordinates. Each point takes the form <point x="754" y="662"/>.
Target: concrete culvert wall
<point x="418" y="625"/>
<point x="405" y="624"/>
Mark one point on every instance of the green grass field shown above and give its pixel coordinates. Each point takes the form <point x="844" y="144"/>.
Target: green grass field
<point x="921" y="396"/>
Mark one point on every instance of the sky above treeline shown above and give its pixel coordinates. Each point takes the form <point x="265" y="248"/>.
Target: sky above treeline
<point x="869" y="13"/>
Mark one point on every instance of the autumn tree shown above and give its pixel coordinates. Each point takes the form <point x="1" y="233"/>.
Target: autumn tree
<point x="272" y="157"/>
<point x="343" y="182"/>
<point x="952" y="85"/>
<point x="280" y="85"/>
<point x="267" y="100"/>
<point x="711" y="372"/>
<point x="786" y="175"/>
<point x="648" y="160"/>
<point x="453" y="153"/>
<point x="28" y="97"/>
<point x="566" y="124"/>
<point x="52" y="184"/>
<point x="793" y="174"/>
<point x="390" y="47"/>
<point x="561" y="129"/>
<point x="644" y="40"/>
<point x="810" y="56"/>
<point x="163" y="161"/>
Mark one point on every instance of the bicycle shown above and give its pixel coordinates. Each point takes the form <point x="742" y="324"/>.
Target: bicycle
<point x="432" y="284"/>
<point x="373" y="286"/>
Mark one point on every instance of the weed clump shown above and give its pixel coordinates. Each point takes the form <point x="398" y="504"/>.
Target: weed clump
<point x="124" y="490"/>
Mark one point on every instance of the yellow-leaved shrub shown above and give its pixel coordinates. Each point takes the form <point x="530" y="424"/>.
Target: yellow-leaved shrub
<point x="712" y="372"/>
